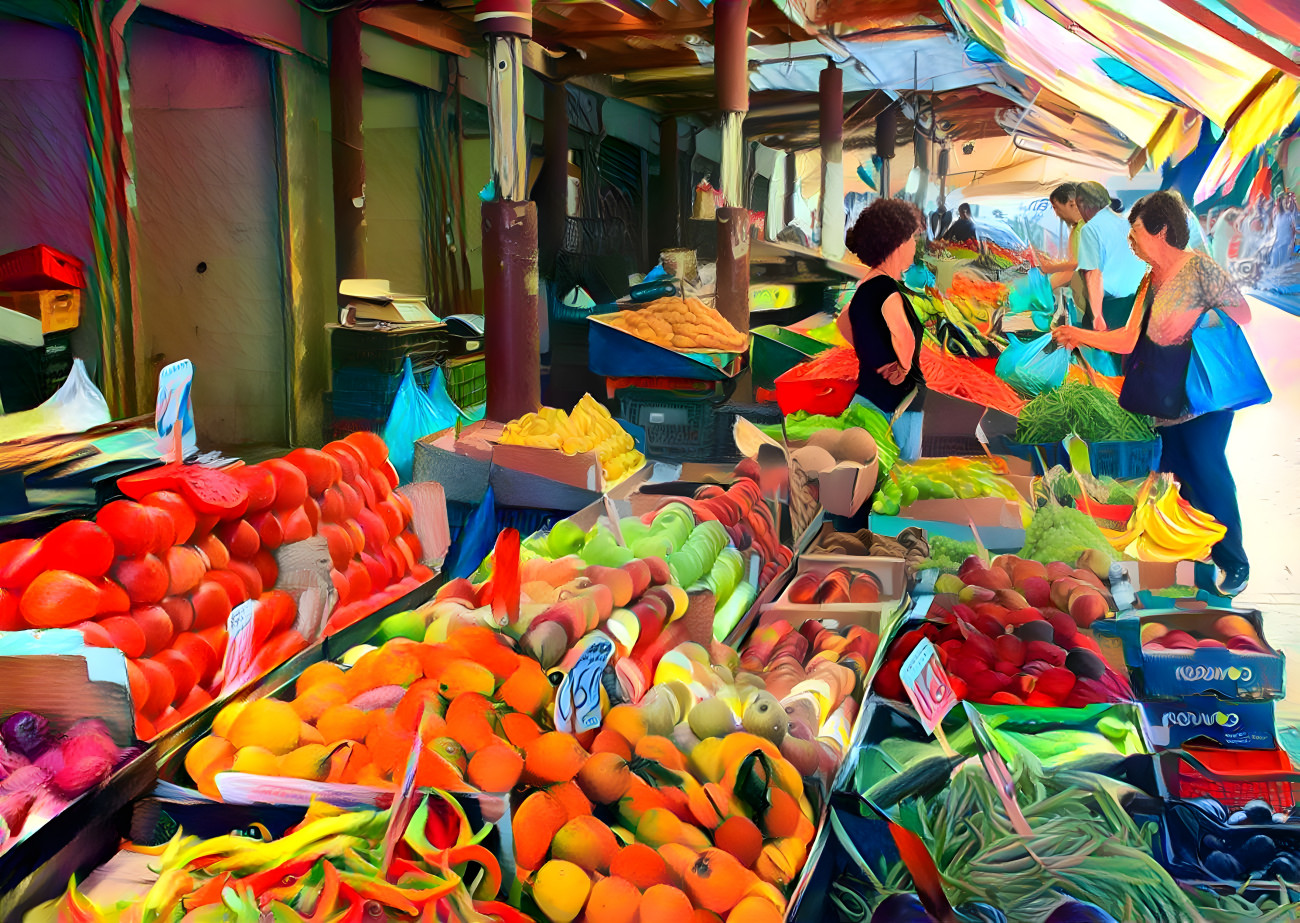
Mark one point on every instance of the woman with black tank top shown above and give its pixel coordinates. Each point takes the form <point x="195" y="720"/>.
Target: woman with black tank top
<point x="882" y="328"/>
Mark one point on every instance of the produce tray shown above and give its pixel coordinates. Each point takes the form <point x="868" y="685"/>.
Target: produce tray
<point x="1232" y="777"/>
<point x="1108" y="459"/>
<point x="774" y="350"/>
<point x="616" y="353"/>
<point x="40" y="267"/>
<point x="828" y="396"/>
<point x="1243" y="725"/>
<point x="678" y="427"/>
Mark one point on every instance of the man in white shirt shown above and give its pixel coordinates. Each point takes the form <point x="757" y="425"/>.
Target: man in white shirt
<point x="1111" y="271"/>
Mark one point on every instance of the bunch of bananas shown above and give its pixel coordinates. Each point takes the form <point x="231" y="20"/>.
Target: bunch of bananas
<point x="589" y="428"/>
<point x="1164" y="526"/>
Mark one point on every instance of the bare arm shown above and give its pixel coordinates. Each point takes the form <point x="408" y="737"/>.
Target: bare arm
<point x="1096" y="292"/>
<point x="1115" y="341"/>
<point x="1062" y="279"/>
<point x="900" y="333"/>
<point x="845" y="326"/>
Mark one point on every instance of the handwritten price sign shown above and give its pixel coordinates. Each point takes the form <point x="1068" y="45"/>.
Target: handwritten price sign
<point x="927" y="685"/>
<point x="577" y="702"/>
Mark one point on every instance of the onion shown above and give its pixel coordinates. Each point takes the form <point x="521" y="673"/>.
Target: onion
<point x="26" y="733"/>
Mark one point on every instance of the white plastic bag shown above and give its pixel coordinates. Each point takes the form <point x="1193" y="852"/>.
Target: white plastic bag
<point x="74" y="408"/>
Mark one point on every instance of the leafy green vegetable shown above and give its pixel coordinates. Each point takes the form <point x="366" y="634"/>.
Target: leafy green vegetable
<point x="1093" y="414"/>
<point x="800" y="425"/>
<point x="946" y="554"/>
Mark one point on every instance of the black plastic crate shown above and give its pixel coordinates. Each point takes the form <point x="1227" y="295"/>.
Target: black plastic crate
<point x="458" y="346"/>
<point x="55" y="362"/>
<point x="676" y="427"/>
<point x="758" y="414"/>
<point x="384" y="351"/>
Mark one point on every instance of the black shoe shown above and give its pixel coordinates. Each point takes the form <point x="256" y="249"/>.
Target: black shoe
<point x="1207" y="577"/>
<point x="1234" y="581"/>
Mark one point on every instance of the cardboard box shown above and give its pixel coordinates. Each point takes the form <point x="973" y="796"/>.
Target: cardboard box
<point x="1247" y="725"/>
<point x="58" y="309"/>
<point x="983" y="511"/>
<point x="890" y="571"/>
<point x="1161" y="674"/>
<point x="1158" y="575"/>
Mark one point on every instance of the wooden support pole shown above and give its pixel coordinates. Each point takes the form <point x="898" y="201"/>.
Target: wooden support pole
<point x="731" y="32"/>
<point x="668" y="227"/>
<point x="831" y="135"/>
<point x="347" y="147"/>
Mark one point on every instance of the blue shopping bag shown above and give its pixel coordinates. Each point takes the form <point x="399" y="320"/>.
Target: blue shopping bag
<point x="1033" y="366"/>
<point x="1223" y="373"/>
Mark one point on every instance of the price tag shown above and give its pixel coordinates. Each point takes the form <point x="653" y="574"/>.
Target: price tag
<point x="614" y="525"/>
<point x="577" y="701"/>
<point x="927" y="686"/>
<point x="403" y="808"/>
<point x="174" y="412"/>
<point x="238" y="662"/>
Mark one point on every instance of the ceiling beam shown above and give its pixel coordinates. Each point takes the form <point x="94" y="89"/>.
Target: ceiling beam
<point x="575" y="65"/>
<point x="420" y="25"/>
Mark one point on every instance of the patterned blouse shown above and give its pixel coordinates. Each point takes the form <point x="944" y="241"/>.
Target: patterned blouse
<point x="1200" y="285"/>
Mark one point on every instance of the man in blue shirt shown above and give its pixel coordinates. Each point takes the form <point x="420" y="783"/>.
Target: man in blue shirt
<point x="1111" y="271"/>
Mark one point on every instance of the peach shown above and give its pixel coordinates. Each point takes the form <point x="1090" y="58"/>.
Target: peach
<point x="586" y="842"/>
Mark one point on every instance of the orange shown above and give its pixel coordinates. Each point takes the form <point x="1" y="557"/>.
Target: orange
<point x="571" y="797"/>
<point x="641" y="865"/>
<point x="495" y="768"/>
<point x="741" y="837"/>
<point x="717" y="881"/>
<point x="267" y="723"/>
<point x="782" y="815"/>
<point x="755" y="909"/>
<point x="604" y="778"/>
<point x="586" y="842"/>
<point x="628" y="721"/>
<point x="662" y="750"/>
<point x="609" y="740"/>
<point x="343" y="722"/>
<point x="519" y="729"/>
<point x="484" y="646"/>
<point x="560" y="890"/>
<point x="553" y="757"/>
<point x="469" y="720"/>
<point x="536" y="822"/>
<point x="208" y="756"/>
<point x="613" y="900"/>
<point x="664" y="904"/>
<point x="463" y="676"/>
<point x="527" y="689"/>
<point x="389" y="745"/>
<point x="316" y="700"/>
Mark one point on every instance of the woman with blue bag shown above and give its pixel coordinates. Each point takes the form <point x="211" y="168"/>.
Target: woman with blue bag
<point x="1188" y="366"/>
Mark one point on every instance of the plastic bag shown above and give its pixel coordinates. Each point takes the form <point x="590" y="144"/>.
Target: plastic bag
<point x="1223" y="373"/>
<point x="413" y="417"/>
<point x="447" y="407"/>
<point x="1033" y="294"/>
<point x="74" y="408"/>
<point x="476" y="540"/>
<point x="1033" y="366"/>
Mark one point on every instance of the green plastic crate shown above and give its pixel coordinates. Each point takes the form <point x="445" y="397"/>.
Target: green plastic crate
<point x="775" y="350"/>
<point x="467" y="381"/>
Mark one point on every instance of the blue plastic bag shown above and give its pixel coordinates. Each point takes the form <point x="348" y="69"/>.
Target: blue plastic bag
<point x="1033" y="294"/>
<point x="1033" y="366"/>
<point x="1223" y="373"/>
<point x="919" y="277"/>
<point x="477" y="539"/>
<point x="413" y="417"/>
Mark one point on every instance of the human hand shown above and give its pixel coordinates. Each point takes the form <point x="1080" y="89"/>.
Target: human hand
<point x="1067" y="337"/>
<point x="894" y="373"/>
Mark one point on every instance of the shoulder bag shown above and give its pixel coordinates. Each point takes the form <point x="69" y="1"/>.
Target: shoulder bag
<point x="1155" y="376"/>
<point x="1222" y="373"/>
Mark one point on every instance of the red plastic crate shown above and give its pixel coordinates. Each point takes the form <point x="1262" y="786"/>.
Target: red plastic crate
<point x="1239" y="776"/>
<point x="827" y="396"/>
<point x="40" y="267"/>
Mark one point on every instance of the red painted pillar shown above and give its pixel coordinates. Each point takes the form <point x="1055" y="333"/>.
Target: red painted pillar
<point x="731" y="71"/>
<point x="514" y="385"/>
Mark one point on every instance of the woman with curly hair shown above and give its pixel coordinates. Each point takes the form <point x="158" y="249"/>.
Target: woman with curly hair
<point x="879" y="324"/>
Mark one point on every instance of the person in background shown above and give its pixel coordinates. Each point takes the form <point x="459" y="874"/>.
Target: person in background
<point x="940" y="218"/>
<point x="1064" y="272"/>
<point x="880" y="325"/>
<point x="1181" y="287"/>
<point x="963" y="228"/>
<point x="1116" y="206"/>
<point x="1111" y="272"/>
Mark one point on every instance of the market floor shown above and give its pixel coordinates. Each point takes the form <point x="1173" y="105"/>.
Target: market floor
<point x="1264" y="452"/>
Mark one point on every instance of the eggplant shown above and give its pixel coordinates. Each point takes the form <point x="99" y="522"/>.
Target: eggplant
<point x="1211" y="843"/>
<point x="1257" y="852"/>
<point x="976" y="912"/>
<point x="1212" y="807"/>
<point x="1237" y="818"/>
<point x="1223" y="866"/>
<point x="1285" y="867"/>
<point x="1258" y="812"/>
<point x="1079" y="912"/>
<point x="1085" y="664"/>
<point x="27" y="733"/>
<point x="901" y="908"/>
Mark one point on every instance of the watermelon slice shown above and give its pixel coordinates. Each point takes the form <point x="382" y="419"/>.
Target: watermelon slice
<point x="207" y="490"/>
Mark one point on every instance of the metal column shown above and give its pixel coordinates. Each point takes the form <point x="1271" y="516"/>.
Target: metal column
<point x="731" y="70"/>
<point x="509" y="221"/>
<point x="347" y="147"/>
<point x="831" y="131"/>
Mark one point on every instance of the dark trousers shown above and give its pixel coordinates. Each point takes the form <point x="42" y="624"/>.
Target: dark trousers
<point x="1195" y="452"/>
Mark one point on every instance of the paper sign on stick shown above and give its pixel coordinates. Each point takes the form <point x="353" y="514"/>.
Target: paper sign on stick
<point x="238" y="663"/>
<point x="174" y="412"/>
<point x="577" y="701"/>
<point x="926" y="684"/>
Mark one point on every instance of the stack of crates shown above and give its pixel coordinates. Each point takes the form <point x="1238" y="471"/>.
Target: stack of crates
<point x="464" y="368"/>
<point x="680" y="425"/>
<point x="367" y="369"/>
<point x="47" y="285"/>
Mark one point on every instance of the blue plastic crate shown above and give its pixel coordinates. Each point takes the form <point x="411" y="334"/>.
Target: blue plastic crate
<point x="1111" y="459"/>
